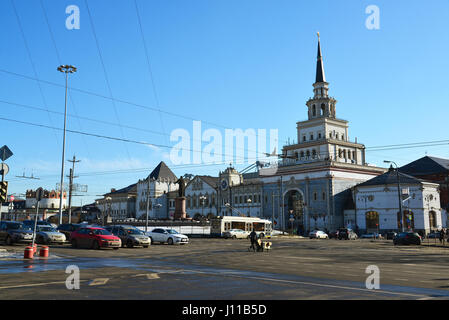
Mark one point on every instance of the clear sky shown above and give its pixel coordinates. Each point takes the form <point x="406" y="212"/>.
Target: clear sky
<point x="231" y="64"/>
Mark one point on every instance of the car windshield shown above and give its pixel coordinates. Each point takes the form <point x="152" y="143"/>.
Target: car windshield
<point x="134" y="231"/>
<point x="102" y="232"/>
<point x="171" y="231"/>
<point x="46" y="229"/>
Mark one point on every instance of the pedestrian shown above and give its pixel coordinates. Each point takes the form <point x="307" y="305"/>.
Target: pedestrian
<point x="253" y="238"/>
<point x="442" y="234"/>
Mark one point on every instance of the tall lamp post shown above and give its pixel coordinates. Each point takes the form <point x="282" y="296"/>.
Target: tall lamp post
<point x="64" y="69"/>
<point x="399" y="193"/>
<point x="202" y="198"/>
<point x="249" y="202"/>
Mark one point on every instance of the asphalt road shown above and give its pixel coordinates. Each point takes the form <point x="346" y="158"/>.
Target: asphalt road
<point x="219" y="269"/>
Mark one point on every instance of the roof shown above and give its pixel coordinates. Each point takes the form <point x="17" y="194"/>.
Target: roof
<point x="162" y="171"/>
<point x="212" y="181"/>
<point x="426" y="166"/>
<point x="129" y="189"/>
<point x="390" y="177"/>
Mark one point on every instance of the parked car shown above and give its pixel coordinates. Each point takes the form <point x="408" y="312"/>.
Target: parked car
<point x="95" y="238"/>
<point x="30" y="223"/>
<point x="407" y="238"/>
<point x="48" y="235"/>
<point x="372" y="235"/>
<point x="130" y="236"/>
<point x="236" y="234"/>
<point x="15" y="232"/>
<point x="318" y="234"/>
<point x="333" y="234"/>
<point x="346" y="234"/>
<point x="68" y="228"/>
<point x="169" y="236"/>
<point x="391" y="235"/>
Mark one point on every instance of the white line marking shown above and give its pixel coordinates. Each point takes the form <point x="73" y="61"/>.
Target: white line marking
<point x="35" y="284"/>
<point x="98" y="281"/>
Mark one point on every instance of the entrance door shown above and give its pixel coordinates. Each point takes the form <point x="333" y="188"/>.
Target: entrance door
<point x="294" y="206"/>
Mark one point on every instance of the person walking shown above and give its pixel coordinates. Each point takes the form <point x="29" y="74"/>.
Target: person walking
<point x="442" y="234"/>
<point x="253" y="238"/>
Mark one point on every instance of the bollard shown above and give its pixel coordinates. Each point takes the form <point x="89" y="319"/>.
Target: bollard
<point x="44" y="252"/>
<point x="28" y="254"/>
<point x="34" y="248"/>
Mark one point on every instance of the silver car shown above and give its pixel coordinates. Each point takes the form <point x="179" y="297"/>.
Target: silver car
<point x="47" y="235"/>
<point x="130" y="236"/>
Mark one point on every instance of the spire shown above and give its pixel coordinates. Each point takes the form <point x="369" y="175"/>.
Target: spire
<point x="319" y="64"/>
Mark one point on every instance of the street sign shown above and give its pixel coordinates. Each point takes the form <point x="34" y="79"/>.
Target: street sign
<point x="11" y="198"/>
<point x="5" y="153"/>
<point x="4" y="169"/>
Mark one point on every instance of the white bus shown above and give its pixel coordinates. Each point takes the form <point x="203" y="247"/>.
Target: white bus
<point x="222" y="224"/>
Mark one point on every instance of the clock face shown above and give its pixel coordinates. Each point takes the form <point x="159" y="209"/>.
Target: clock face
<point x="224" y="184"/>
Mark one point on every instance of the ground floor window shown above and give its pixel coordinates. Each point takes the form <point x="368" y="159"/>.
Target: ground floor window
<point x="432" y="220"/>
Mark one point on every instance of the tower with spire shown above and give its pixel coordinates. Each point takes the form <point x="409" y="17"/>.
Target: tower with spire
<point x="323" y="136"/>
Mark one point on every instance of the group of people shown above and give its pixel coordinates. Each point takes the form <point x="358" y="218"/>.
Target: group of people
<point x="256" y="243"/>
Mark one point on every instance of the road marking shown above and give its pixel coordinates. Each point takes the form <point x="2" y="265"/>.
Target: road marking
<point x="35" y="284"/>
<point x="398" y="279"/>
<point x="319" y="285"/>
<point x="98" y="282"/>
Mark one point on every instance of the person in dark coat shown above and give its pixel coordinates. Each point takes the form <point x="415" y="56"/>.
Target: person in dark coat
<point x="442" y="234"/>
<point x="253" y="238"/>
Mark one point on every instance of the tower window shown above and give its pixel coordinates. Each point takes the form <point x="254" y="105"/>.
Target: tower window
<point x="314" y="111"/>
<point x="303" y="138"/>
<point x="323" y="108"/>
<point x="302" y="154"/>
<point x="319" y="135"/>
<point x="308" y="153"/>
<point x="311" y="136"/>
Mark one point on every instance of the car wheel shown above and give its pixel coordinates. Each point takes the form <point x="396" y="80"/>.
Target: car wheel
<point x="116" y="248"/>
<point x="234" y="237"/>
<point x="8" y="241"/>
<point x="74" y="243"/>
<point x="145" y="246"/>
<point x="151" y="240"/>
<point x="170" y="241"/>
<point x="129" y="244"/>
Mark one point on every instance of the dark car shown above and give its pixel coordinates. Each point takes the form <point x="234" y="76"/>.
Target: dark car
<point x="333" y="235"/>
<point x="94" y="238"/>
<point x="391" y="235"/>
<point x="68" y="228"/>
<point x="15" y="232"/>
<point x="346" y="234"/>
<point x="433" y="235"/>
<point x="407" y="238"/>
<point x="130" y="236"/>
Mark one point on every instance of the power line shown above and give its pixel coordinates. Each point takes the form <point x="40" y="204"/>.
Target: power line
<point x="150" y="71"/>
<point x="106" y="75"/>
<point x="134" y="104"/>
<point x="32" y="65"/>
<point x="60" y="63"/>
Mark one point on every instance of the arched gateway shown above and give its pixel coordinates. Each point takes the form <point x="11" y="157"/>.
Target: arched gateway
<point x="294" y="207"/>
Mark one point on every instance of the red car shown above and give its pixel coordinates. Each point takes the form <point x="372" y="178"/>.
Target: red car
<point x="95" y="238"/>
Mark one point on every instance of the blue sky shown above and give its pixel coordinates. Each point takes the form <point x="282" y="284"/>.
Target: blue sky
<point x="236" y="64"/>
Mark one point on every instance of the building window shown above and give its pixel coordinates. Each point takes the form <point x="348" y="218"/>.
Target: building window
<point x="323" y="108"/>
<point x="308" y="153"/>
<point x="315" y="196"/>
<point x="313" y="111"/>
<point x="324" y="195"/>
<point x="432" y="220"/>
<point x="372" y="220"/>
<point x="302" y="154"/>
<point x="311" y="136"/>
<point x="319" y="135"/>
<point x="314" y="153"/>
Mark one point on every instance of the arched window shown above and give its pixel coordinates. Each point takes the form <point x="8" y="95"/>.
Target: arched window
<point x="314" y="153"/>
<point x="313" y="111"/>
<point x="302" y="154"/>
<point x="296" y="155"/>
<point x="323" y="108"/>
<point x="308" y="153"/>
<point x="339" y="153"/>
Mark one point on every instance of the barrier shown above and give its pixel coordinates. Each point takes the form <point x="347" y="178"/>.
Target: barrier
<point x="44" y="252"/>
<point x="28" y="254"/>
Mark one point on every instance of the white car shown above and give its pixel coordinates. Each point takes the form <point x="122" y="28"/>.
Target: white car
<point x="169" y="236"/>
<point x="235" y="234"/>
<point x="47" y="234"/>
<point x="318" y="234"/>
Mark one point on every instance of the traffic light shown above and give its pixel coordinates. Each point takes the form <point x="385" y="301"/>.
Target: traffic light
<point x="3" y="191"/>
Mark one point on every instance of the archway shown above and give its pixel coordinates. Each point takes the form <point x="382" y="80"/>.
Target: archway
<point x="294" y="208"/>
<point x="372" y="221"/>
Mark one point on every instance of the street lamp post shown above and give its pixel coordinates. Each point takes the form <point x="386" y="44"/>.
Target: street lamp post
<point x="202" y="198"/>
<point x="399" y="193"/>
<point x="64" y="69"/>
<point x="249" y="202"/>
